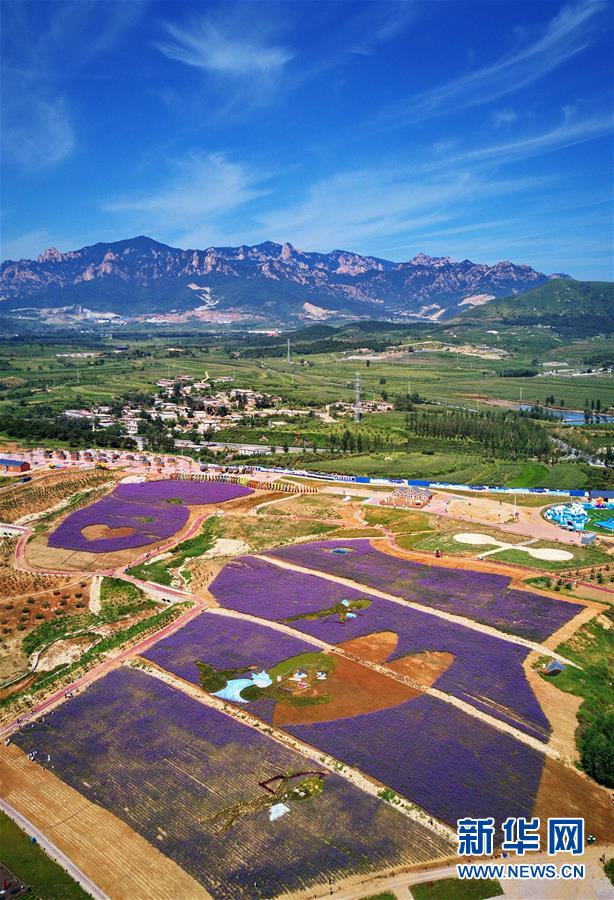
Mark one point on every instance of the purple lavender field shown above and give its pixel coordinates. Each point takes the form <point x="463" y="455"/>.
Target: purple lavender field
<point x="165" y="764"/>
<point x="480" y="596"/>
<point x="193" y="493"/>
<point x="448" y="763"/>
<point x="487" y="671"/>
<point x="151" y="522"/>
<point x="226" y="643"/>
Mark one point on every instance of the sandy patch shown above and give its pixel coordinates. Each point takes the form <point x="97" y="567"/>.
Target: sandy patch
<point x="473" y="538"/>
<point x="64" y="652"/>
<point x="99" y="532"/>
<point x="227" y="547"/>
<point x="550" y="553"/>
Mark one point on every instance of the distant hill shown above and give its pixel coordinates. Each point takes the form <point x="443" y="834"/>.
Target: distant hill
<point x="275" y="283"/>
<point x="582" y="307"/>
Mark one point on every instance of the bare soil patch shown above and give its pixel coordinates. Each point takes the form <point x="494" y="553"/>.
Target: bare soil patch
<point x="423" y="667"/>
<point x="352" y="688"/>
<point x="560" y="708"/>
<point x="376" y="647"/>
<point x="565" y="792"/>
<point x="96" y="532"/>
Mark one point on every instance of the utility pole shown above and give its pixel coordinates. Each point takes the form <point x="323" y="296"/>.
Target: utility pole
<point x="288" y="356"/>
<point x="357" y="398"/>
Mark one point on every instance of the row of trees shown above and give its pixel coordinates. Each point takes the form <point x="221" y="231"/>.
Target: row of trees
<point x="44" y="425"/>
<point x="503" y="433"/>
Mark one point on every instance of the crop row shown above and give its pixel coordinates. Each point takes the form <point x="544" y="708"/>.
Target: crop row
<point x="480" y="596"/>
<point x="193" y="493"/>
<point x="486" y="672"/>
<point x="166" y="765"/>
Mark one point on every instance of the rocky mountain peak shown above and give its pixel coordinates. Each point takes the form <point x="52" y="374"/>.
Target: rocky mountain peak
<point x="263" y="280"/>
<point x="51" y="254"/>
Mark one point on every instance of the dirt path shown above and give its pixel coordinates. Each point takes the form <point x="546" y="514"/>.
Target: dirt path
<point x="399" y="676"/>
<point x="340" y="768"/>
<point x="94" y="603"/>
<point x="431" y="611"/>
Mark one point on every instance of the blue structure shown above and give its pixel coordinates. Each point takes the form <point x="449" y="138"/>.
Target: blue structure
<point x="571" y="516"/>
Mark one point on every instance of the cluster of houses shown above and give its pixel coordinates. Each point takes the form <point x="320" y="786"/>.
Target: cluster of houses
<point x="192" y="406"/>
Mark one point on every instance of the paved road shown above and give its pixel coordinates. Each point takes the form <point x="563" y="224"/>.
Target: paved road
<point x="54" y="852"/>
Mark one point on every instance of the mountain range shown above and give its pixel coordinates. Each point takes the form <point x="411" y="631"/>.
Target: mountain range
<point x="266" y="282"/>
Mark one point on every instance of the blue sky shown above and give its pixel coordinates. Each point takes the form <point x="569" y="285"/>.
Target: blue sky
<point x="469" y="129"/>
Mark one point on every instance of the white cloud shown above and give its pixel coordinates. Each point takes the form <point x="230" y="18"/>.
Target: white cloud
<point x="504" y="117"/>
<point x="570" y="132"/>
<point x="365" y="207"/>
<point x="210" y="46"/>
<point x="38" y="130"/>
<point x="42" y="137"/>
<point x="201" y="191"/>
<point x="569" y="32"/>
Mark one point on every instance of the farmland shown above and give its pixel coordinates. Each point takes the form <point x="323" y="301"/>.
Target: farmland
<point x="138" y="514"/>
<point x="481" y="597"/>
<point x="48" y="491"/>
<point x="108" y="744"/>
<point x="411" y="685"/>
<point x="485" y="671"/>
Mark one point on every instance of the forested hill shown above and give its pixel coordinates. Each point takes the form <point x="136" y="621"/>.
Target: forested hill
<point x="584" y="307"/>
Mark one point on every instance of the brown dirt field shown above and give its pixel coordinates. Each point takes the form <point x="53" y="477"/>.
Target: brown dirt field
<point x="423" y="667"/>
<point x="246" y="504"/>
<point x="566" y="792"/>
<point x="46" y="491"/>
<point x="376" y="647"/>
<point x="103" y="847"/>
<point x="559" y="707"/>
<point x="96" y="532"/>
<point x="353" y="690"/>
<point x="19" y="617"/>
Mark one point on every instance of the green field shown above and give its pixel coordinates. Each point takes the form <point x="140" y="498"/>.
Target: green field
<point x="32" y="865"/>
<point x="33" y="378"/>
<point x="456" y="889"/>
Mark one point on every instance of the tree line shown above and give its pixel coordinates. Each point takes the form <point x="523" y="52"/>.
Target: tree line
<point x="500" y="432"/>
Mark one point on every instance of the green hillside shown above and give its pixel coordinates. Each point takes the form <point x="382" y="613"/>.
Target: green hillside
<point x="584" y="307"/>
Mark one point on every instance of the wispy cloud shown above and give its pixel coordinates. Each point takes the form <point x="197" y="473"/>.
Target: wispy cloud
<point x="25" y="246"/>
<point x="504" y="117"/>
<point x="570" y="132"/>
<point x="38" y="58"/>
<point x="41" y="138"/>
<point x="239" y="53"/>
<point x="206" y="45"/>
<point x="201" y="192"/>
<point x="363" y="208"/>
<point x="376" y="23"/>
<point x="568" y="33"/>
